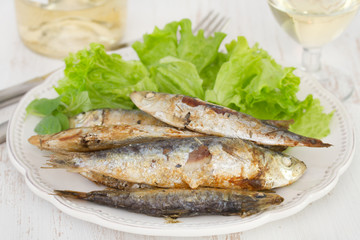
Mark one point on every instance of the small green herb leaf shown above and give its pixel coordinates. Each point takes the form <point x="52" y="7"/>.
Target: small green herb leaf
<point x="63" y="119"/>
<point x="43" y="106"/>
<point x="48" y="125"/>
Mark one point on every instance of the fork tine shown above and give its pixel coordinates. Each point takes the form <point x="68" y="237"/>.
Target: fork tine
<point x="211" y="23"/>
<point x="220" y="25"/>
<point x="207" y="27"/>
<point x="202" y="22"/>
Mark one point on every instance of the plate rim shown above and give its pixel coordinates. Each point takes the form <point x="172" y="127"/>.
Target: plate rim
<point x="278" y="214"/>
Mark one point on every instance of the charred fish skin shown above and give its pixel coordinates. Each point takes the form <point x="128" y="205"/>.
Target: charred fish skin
<point x="108" y="117"/>
<point x="86" y="139"/>
<point x="200" y="116"/>
<point x="190" y="162"/>
<point x="112" y="182"/>
<point x="182" y="202"/>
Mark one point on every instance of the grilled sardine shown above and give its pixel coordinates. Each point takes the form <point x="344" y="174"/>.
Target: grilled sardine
<point x="105" y="137"/>
<point x="190" y="162"/>
<point x="182" y="202"/>
<point x="194" y="114"/>
<point x="108" y="117"/>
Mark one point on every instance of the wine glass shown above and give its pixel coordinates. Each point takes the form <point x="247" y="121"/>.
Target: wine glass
<point x="313" y="23"/>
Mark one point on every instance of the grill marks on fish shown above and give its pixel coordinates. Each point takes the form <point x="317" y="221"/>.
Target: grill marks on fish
<point x="73" y="135"/>
<point x="188" y="162"/>
<point x="182" y="202"/>
<point x="194" y="102"/>
<point x="106" y="137"/>
<point x="200" y="116"/>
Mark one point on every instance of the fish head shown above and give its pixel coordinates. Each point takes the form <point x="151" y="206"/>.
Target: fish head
<point x="149" y="101"/>
<point x="87" y="119"/>
<point x="284" y="170"/>
<point x="162" y="106"/>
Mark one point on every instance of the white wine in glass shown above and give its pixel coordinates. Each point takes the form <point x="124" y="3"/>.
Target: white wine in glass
<point x="56" y="27"/>
<point x="313" y="23"/>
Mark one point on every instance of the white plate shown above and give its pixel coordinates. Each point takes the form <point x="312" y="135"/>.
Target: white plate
<point x="324" y="168"/>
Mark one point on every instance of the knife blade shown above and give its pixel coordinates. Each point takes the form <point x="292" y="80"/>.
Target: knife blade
<point x="3" y="128"/>
<point x="13" y="94"/>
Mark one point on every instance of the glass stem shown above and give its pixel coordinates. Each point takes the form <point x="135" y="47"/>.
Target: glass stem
<point x="311" y="59"/>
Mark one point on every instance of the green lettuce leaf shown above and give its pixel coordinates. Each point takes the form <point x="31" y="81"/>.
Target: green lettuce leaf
<point x="209" y="73"/>
<point x="94" y="79"/>
<point x="177" y="76"/>
<point x="312" y="121"/>
<point x="157" y="45"/>
<point x="198" y="50"/>
<point x="253" y="83"/>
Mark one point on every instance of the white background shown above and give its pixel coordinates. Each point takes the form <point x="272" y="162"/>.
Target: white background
<point x="23" y="215"/>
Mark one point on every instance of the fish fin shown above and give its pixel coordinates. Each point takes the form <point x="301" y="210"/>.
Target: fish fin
<point x="170" y="220"/>
<point x="76" y="170"/>
<point x="198" y="140"/>
<point x="275" y="148"/>
<point x="59" y="160"/>
<point x="109" y="189"/>
<point x="283" y="124"/>
<point x="246" y="183"/>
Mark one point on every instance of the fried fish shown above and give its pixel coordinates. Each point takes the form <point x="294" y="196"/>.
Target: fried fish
<point x="189" y="162"/>
<point x="181" y="202"/>
<point x="194" y="114"/>
<point x="87" y="139"/>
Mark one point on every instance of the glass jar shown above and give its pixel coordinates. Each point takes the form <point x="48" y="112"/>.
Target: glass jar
<point x="56" y="27"/>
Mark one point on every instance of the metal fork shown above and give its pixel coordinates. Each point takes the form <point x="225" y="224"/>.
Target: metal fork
<point x="210" y="24"/>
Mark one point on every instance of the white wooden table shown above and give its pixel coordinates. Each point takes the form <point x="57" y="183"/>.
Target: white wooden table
<point x="23" y="215"/>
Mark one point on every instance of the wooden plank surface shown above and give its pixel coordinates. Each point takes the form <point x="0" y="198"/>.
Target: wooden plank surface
<point x="23" y="215"/>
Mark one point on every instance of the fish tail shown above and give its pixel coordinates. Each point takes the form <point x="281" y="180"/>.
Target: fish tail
<point x="71" y="194"/>
<point x="276" y="200"/>
<point x="61" y="161"/>
<point x="313" y="142"/>
<point x="271" y="199"/>
<point x="264" y="201"/>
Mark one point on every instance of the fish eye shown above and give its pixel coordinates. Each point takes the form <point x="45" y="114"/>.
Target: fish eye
<point x="150" y="95"/>
<point x="286" y="162"/>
